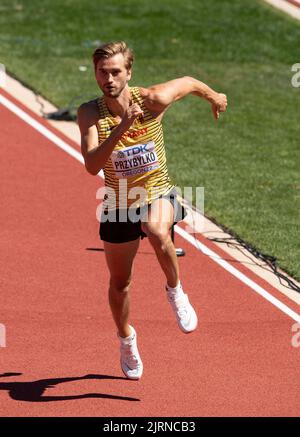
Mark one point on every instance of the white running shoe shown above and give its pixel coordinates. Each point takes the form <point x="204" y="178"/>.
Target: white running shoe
<point x="185" y="313"/>
<point x="131" y="362"/>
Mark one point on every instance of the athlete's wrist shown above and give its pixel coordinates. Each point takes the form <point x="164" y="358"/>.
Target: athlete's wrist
<point x="124" y="125"/>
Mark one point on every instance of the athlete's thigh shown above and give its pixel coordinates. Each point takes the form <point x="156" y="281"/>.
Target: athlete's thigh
<point x="160" y="217"/>
<point x="119" y="259"/>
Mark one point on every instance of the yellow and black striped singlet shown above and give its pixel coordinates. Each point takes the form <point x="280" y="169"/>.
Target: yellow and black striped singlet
<point x="138" y="159"/>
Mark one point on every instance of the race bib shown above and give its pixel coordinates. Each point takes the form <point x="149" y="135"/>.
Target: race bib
<point x="135" y="160"/>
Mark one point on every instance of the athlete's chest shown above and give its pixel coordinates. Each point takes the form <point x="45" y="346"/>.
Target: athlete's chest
<point x="136" y="154"/>
<point x="139" y="132"/>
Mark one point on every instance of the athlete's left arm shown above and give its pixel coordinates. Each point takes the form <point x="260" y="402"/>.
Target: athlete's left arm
<point x="158" y="98"/>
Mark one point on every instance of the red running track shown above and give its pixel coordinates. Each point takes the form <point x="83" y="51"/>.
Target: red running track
<point x="62" y="350"/>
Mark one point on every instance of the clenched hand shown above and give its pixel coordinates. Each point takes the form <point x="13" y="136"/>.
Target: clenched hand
<point x="219" y="105"/>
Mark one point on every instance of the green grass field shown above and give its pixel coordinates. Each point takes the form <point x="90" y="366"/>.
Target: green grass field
<point x="248" y="162"/>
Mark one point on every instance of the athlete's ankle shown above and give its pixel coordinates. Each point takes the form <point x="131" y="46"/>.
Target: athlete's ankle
<point x="173" y="287"/>
<point x="125" y="332"/>
<point x="175" y="292"/>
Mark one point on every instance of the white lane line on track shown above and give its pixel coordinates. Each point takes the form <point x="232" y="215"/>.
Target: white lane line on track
<point x="188" y="237"/>
<point x="235" y="272"/>
<point x="290" y="7"/>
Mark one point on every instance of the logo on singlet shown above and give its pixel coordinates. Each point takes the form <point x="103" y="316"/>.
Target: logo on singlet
<point x="135" y="160"/>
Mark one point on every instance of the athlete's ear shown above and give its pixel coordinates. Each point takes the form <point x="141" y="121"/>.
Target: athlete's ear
<point x="129" y="74"/>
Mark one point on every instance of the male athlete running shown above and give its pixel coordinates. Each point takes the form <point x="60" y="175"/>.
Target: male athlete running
<point x="121" y="133"/>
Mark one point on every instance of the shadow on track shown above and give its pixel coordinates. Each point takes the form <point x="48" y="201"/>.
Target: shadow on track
<point x="33" y="391"/>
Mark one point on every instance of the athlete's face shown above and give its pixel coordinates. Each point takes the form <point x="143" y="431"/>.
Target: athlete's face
<point x="112" y="76"/>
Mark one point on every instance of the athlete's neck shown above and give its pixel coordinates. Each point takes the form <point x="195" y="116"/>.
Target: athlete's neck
<point x="118" y="105"/>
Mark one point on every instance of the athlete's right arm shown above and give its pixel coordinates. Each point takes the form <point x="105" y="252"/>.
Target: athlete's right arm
<point x="96" y="155"/>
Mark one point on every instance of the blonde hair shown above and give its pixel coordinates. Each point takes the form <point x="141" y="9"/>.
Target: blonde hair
<point x="110" y="49"/>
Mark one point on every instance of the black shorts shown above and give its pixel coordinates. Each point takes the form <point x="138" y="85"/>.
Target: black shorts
<point x="123" y="227"/>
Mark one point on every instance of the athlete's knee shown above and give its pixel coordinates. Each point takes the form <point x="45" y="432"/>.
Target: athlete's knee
<point x="120" y="285"/>
<point x="158" y="235"/>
